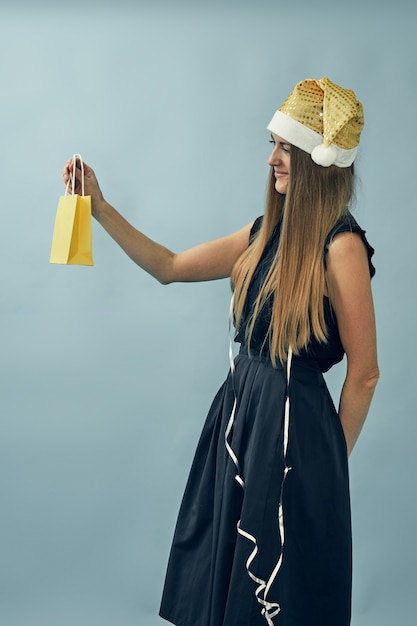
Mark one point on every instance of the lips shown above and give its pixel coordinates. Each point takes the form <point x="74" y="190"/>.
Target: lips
<point x="280" y="174"/>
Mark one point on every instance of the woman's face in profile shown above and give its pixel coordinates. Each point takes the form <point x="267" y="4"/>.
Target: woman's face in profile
<point x="280" y="160"/>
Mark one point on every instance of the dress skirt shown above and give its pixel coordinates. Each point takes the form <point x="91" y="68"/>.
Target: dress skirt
<point x="263" y="536"/>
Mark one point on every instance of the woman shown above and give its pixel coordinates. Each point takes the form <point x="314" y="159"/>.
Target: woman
<point x="263" y="535"/>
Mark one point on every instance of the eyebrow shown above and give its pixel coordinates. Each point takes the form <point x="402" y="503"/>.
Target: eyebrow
<point x="281" y="143"/>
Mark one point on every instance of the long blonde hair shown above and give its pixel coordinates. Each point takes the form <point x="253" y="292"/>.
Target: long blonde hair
<point x="317" y="197"/>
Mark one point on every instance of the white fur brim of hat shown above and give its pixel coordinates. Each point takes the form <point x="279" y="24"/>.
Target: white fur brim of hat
<point x="308" y="140"/>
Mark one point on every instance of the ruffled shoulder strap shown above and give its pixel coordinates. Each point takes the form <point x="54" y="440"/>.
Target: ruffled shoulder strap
<point x="256" y="226"/>
<point x="348" y="224"/>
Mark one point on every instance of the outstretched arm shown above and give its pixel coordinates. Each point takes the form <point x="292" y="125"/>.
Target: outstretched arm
<point x="350" y="293"/>
<point x="207" y="261"/>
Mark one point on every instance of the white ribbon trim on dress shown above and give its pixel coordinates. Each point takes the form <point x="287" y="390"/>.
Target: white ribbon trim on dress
<point x="269" y="609"/>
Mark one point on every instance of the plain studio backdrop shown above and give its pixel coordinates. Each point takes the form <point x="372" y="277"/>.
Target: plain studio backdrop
<point x="106" y="376"/>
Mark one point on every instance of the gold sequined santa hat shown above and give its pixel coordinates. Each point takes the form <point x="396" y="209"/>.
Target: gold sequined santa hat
<point x="322" y="119"/>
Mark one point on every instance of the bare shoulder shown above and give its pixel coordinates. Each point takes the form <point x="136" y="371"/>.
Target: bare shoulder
<point x="345" y="246"/>
<point x="347" y="257"/>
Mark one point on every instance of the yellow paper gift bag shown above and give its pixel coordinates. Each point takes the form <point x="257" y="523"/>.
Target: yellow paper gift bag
<point x="72" y="236"/>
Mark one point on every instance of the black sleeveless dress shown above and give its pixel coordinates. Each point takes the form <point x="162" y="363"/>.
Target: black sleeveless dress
<point x="263" y="536"/>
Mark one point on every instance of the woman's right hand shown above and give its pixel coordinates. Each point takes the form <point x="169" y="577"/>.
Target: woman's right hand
<point x="91" y="186"/>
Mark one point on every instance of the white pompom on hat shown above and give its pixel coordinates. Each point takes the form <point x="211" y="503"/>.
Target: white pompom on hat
<point x="322" y="119"/>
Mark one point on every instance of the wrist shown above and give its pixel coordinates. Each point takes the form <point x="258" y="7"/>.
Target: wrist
<point x="98" y="207"/>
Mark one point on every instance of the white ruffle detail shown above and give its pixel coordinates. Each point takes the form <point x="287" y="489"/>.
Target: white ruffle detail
<point x="269" y="609"/>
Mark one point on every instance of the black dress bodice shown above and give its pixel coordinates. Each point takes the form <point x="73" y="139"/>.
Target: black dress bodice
<point x="326" y="354"/>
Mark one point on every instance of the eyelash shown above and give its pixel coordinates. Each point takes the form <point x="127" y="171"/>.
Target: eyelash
<point x="286" y="150"/>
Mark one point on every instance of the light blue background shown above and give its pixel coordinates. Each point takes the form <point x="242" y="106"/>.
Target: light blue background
<point x="106" y="376"/>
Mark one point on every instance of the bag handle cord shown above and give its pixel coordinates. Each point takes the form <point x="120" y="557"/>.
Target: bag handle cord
<point x="72" y="176"/>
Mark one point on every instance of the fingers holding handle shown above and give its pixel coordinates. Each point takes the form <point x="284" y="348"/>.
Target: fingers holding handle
<point x="79" y="178"/>
<point x="73" y="175"/>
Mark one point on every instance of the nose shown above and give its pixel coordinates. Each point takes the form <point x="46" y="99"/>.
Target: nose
<point x="275" y="156"/>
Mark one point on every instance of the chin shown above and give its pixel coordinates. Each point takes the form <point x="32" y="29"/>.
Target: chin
<point x="281" y="189"/>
